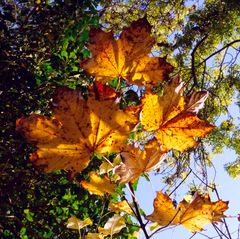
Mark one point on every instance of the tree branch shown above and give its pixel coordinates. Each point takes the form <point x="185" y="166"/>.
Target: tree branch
<point x="181" y="182"/>
<point x="139" y="218"/>
<point x="193" y="69"/>
<point x="218" y="51"/>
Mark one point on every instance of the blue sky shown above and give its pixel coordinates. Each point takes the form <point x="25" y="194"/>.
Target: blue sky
<point x="228" y="190"/>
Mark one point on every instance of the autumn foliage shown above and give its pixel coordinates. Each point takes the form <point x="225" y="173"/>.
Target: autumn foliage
<point x="192" y="214"/>
<point x="83" y="126"/>
<point x="126" y="57"/>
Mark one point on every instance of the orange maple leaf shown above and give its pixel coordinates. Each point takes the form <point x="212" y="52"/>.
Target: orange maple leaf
<point x="193" y="215"/>
<point x="78" y="129"/>
<point x="137" y="161"/>
<point x="173" y="117"/>
<point x="98" y="185"/>
<point x="126" y="57"/>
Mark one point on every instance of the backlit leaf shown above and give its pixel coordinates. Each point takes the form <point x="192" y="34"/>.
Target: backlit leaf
<point x="120" y="207"/>
<point x="78" y="129"/>
<point x="98" y="185"/>
<point x="126" y="57"/>
<point x="114" y="225"/>
<point x="193" y="215"/>
<point x="173" y="119"/>
<point x="77" y="224"/>
<point x="137" y="161"/>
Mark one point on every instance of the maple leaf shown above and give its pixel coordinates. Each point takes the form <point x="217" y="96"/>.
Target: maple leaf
<point x="77" y="224"/>
<point x="114" y="225"/>
<point x="137" y="161"/>
<point x="98" y="185"/>
<point x="126" y="57"/>
<point x="78" y="129"/>
<point x="193" y="215"/>
<point x="173" y="117"/>
<point x="121" y="207"/>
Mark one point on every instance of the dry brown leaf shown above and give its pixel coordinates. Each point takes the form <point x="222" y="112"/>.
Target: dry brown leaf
<point x="126" y="57"/>
<point x="174" y="121"/>
<point x="137" y="161"/>
<point x="193" y="215"/>
<point x="98" y="185"/>
<point x="78" y="129"/>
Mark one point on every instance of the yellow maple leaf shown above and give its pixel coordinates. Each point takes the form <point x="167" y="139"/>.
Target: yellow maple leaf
<point x="98" y="185"/>
<point x="78" y="129"/>
<point x="173" y="117"/>
<point x="114" y="225"/>
<point x="77" y="224"/>
<point x="126" y="57"/>
<point x="121" y="207"/>
<point x="193" y="215"/>
<point x="137" y="161"/>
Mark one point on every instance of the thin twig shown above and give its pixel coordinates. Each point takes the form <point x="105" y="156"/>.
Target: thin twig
<point x="161" y="228"/>
<point x="107" y="160"/>
<point x="194" y="234"/>
<point x="224" y="221"/>
<point x="219" y="232"/>
<point x="129" y="204"/>
<point x="180" y="183"/>
<point x="139" y="217"/>
<point x="218" y="51"/>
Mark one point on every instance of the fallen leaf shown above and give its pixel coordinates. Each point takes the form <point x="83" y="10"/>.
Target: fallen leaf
<point x="98" y="185"/>
<point x="137" y="161"/>
<point x="77" y="130"/>
<point x="120" y="207"/>
<point x="77" y="224"/>
<point x="114" y="225"/>
<point x="193" y="215"/>
<point x="173" y="119"/>
<point x="126" y="57"/>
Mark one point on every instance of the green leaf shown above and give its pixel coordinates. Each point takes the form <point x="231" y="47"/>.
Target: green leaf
<point x="29" y="215"/>
<point x="135" y="184"/>
<point x="72" y="55"/>
<point x="23" y="233"/>
<point x="86" y="53"/>
<point x="64" y="54"/>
